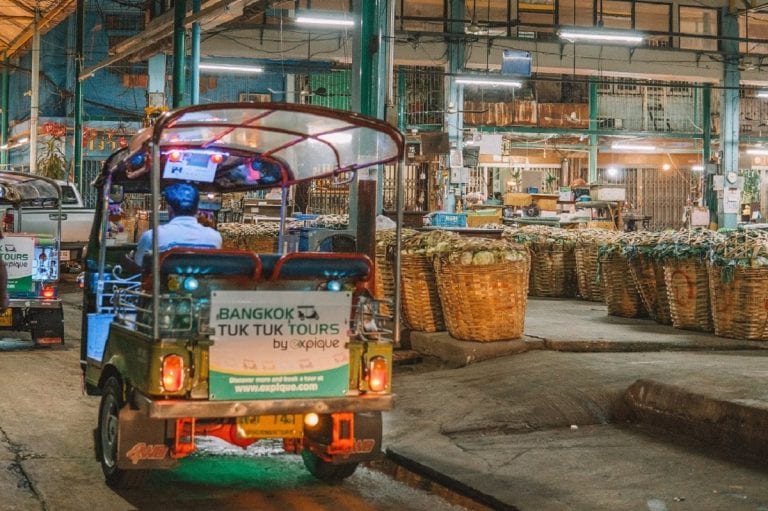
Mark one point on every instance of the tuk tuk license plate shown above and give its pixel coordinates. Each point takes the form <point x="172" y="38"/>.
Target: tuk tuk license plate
<point x="271" y="426"/>
<point x="6" y="317"/>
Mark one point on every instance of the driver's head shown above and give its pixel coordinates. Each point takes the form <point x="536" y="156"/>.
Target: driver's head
<point x="182" y="199"/>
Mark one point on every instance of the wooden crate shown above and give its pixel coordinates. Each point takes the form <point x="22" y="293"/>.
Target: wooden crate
<point x="517" y="199"/>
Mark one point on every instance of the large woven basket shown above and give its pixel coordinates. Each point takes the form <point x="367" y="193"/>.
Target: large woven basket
<point x="421" y="301"/>
<point x="553" y="270"/>
<point x="688" y="294"/>
<point x="621" y="294"/>
<point x="260" y="245"/>
<point x="483" y="302"/>
<point x="591" y="286"/>
<point x="648" y="276"/>
<point x="739" y="303"/>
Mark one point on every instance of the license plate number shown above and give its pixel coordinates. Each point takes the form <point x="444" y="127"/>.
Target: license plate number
<point x="6" y="317"/>
<point x="271" y="426"/>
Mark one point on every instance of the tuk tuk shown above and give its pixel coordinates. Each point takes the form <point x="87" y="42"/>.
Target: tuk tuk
<point x="31" y="260"/>
<point x="230" y="343"/>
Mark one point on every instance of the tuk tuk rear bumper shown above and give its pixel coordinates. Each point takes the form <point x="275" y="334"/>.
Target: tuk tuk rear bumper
<point x="176" y="409"/>
<point x="35" y="303"/>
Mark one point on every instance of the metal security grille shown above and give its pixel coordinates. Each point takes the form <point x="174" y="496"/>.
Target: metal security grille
<point x="325" y="198"/>
<point x="329" y="89"/>
<point x="91" y="169"/>
<point x="424" y="96"/>
<point x="417" y="187"/>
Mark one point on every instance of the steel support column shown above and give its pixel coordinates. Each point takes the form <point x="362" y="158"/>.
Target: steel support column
<point x="78" y="106"/>
<point x="35" y="102"/>
<point x="729" y="111"/>
<point x="194" y="64"/>
<point x="5" y="105"/>
<point x="368" y="89"/>
<point x="179" y="52"/>
<point x="594" y="139"/>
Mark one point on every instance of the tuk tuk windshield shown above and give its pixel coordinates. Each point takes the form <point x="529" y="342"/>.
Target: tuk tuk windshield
<point x="240" y="146"/>
<point x="28" y="190"/>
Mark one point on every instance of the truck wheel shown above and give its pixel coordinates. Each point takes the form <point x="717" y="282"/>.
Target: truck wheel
<point x="107" y="439"/>
<point x="326" y="471"/>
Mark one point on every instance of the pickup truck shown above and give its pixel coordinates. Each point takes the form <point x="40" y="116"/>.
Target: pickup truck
<point x="76" y="222"/>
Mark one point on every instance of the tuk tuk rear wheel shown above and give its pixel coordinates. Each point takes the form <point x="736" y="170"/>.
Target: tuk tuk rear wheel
<point x="325" y="470"/>
<point x="107" y="439"/>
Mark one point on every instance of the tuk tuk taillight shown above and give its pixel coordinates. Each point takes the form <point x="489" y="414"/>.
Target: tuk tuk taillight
<point x="378" y="374"/>
<point x="173" y="373"/>
<point x="48" y="292"/>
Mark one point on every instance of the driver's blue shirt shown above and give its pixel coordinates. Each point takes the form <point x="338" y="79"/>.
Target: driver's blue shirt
<point x="181" y="231"/>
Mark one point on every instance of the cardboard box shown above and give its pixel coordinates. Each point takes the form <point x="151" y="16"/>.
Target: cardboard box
<point x="517" y="199"/>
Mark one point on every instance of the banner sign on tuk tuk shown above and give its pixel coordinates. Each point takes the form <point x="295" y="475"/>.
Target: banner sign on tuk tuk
<point x="17" y="252"/>
<point x="279" y="344"/>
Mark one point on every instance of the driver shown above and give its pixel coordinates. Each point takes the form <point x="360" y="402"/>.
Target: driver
<point x="183" y="229"/>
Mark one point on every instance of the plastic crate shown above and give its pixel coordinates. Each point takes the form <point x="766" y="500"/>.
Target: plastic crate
<point x="438" y="219"/>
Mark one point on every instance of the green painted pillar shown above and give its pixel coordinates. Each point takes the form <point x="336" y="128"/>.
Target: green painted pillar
<point x="5" y="105"/>
<point x="728" y="212"/>
<point x="706" y="120"/>
<point x="179" y="52"/>
<point x="368" y="90"/>
<point x="78" y="106"/>
<point x="454" y="119"/>
<point x="194" y="64"/>
<point x="594" y="139"/>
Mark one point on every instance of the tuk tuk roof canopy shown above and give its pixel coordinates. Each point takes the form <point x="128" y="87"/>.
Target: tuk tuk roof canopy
<point x="240" y="146"/>
<point x="19" y="189"/>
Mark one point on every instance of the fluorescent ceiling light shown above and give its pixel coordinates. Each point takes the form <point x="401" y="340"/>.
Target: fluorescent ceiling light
<point x="698" y="168"/>
<point x="489" y="82"/>
<point x="634" y="147"/>
<point x="328" y="22"/>
<point x="757" y="151"/>
<point x="601" y="35"/>
<point x="762" y="94"/>
<point x="232" y="68"/>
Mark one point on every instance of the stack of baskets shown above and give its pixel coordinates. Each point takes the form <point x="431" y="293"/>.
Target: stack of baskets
<point x="621" y="294"/>
<point x="738" y="285"/>
<point x="260" y="237"/>
<point x="384" y="276"/>
<point x="483" y="286"/>
<point x="683" y="256"/>
<point x="553" y="260"/>
<point x="648" y="273"/>
<point x="421" y="302"/>
<point x="591" y="285"/>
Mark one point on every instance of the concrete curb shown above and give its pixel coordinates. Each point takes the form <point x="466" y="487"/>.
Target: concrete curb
<point x="430" y="475"/>
<point x="456" y="353"/>
<point x="736" y="426"/>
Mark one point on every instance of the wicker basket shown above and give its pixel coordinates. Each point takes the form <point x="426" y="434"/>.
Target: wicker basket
<point x="621" y="294"/>
<point x="421" y="302"/>
<point x="688" y="294"/>
<point x="483" y="302"/>
<point x="553" y="270"/>
<point x="260" y="245"/>
<point x="590" y="284"/>
<point x="739" y="304"/>
<point x="648" y="276"/>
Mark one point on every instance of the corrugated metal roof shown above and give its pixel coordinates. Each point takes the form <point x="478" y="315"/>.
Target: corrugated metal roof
<point x="17" y="20"/>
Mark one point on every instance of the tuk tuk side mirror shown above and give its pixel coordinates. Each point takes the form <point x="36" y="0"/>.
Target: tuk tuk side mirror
<point x="116" y="193"/>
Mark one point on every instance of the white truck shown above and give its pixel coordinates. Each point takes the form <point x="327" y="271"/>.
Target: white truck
<point x="76" y="222"/>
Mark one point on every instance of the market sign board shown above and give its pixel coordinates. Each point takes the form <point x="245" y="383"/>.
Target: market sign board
<point x="17" y="253"/>
<point x="279" y="344"/>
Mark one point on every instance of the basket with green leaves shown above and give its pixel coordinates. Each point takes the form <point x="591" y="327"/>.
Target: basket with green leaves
<point x="384" y="276"/>
<point x="648" y="273"/>
<point x="483" y="286"/>
<point x="588" y="241"/>
<point x="260" y="237"/>
<point x="553" y="259"/>
<point x="621" y="295"/>
<point x="683" y="255"/>
<point x="738" y="285"/>
<point x="421" y="301"/>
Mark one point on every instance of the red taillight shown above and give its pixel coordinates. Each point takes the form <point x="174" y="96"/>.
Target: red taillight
<point x="378" y="374"/>
<point x="173" y="373"/>
<point x="217" y="158"/>
<point x="174" y="156"/>
<point x="48" y="292"/>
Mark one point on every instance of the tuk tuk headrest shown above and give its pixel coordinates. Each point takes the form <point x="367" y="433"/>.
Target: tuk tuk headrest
<point x="205" y="261"/>
<point x="307" y="265"/>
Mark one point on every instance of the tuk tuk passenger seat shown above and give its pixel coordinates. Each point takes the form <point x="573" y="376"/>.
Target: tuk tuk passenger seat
<point x="306" y="265"/>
